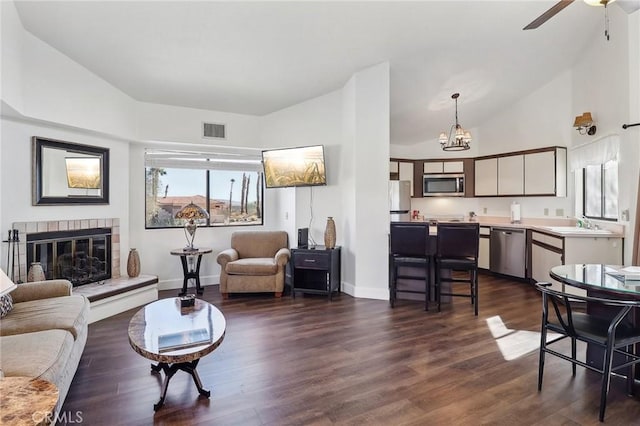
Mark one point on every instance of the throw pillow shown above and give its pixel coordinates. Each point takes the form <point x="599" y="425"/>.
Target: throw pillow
<point x="6" y="304"/>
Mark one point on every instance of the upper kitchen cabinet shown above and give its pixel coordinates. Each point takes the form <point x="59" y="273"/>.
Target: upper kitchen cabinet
<point x="545" y="172"/>
<point x="405" y="172"/>
<point x="511" y="175"/>
<point x="486" y="177"/>
<point x="394" y="170"/>
<point x="539" y="172"/>
<point x="443" y="166"/>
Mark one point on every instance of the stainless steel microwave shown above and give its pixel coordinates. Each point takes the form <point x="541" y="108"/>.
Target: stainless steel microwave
<point x="443" y="185"/>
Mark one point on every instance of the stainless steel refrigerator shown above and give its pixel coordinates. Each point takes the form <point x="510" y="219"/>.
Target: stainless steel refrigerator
<point x="400" y="200"/>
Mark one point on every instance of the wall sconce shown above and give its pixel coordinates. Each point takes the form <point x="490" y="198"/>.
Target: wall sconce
<point x="584" y="124"/>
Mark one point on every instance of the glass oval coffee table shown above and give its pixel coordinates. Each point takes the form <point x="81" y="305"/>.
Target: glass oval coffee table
<point x="176" y="338"/>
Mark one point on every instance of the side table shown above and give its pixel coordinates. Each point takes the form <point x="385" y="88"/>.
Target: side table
<point x="27" y="401"/>
<point x="315" y="271"/>
<point x="187" y="258"/>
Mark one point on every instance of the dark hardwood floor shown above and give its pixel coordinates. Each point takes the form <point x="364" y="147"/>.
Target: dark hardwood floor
<point x="352" y="361"/>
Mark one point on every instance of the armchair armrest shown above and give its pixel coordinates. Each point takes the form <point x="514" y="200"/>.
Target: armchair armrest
<point x="226" y="256"/>
<point x="282" y="256"/>
<point x="41" y="290"/>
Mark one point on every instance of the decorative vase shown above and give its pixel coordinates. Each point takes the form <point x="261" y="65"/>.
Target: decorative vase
<point x="133" y="263"/>
<point x="330" y="234"/>
<point x="36" y="273"/>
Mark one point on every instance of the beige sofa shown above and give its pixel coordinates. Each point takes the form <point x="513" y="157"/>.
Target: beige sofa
<point x="45" y="333"/>
<point x="255" y="262"/>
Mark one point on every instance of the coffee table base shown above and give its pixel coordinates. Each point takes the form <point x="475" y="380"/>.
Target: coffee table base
<point x="170" y="370"/>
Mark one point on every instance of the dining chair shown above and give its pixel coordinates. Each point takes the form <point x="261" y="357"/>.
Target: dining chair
<point x="409" y="247"/>
<point x="614" y="334"/>
<point x="457" y="251"/>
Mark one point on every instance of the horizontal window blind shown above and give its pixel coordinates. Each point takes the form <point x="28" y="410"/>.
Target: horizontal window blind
<point x="250" y="161"/>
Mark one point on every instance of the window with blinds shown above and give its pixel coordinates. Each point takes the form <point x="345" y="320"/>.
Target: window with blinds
<point x="227" y="184"/>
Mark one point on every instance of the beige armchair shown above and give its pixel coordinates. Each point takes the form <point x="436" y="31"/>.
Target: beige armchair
<point x="255" y="263"/>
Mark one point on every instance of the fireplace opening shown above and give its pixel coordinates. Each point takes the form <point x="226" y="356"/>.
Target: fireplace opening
<point x="80" y="256"/>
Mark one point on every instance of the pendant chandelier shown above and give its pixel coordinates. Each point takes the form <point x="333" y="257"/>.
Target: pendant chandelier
<point x="458" y="138"/>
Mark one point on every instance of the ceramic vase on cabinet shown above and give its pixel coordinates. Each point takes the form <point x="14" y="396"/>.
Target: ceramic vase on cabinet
<point x="133" y="263"/>
<point x="36" y="273"/>
<point x="330" y="233"/>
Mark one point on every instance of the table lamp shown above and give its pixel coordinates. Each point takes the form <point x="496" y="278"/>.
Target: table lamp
<point x="190" y="214"/>
<point x="6" y="285"/>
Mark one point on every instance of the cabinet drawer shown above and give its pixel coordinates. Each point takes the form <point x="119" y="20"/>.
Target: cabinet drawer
<point x="311" y="261"/>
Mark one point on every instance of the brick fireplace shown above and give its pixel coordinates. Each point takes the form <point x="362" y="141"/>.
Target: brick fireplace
<point x="84" y="241"/>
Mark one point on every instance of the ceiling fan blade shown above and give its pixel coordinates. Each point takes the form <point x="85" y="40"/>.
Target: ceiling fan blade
<point x="548" y="14"/>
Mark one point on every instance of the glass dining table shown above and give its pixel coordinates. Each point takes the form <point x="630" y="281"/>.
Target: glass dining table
<point x="604" y="281"/>
<point x="611" y="281"/>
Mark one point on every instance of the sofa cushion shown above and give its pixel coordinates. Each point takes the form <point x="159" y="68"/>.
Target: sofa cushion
<point x="42" y="354"/>
<point x="65" y="313"/>
<point x="252" y="266"/>
<point x="6" y="305"/>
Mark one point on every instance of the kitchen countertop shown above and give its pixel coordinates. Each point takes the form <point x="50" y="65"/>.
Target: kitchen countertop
<point x="558" y="227"/>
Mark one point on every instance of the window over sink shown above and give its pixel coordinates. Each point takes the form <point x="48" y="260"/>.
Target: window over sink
<point x="595" y="167"/>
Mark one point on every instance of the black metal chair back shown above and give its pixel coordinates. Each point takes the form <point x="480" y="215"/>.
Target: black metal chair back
<point x="409" y="247"/>
<point x="614" y="334"/>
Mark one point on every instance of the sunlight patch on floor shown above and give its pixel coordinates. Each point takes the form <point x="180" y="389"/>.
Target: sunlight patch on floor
<point x="514" y="343"/>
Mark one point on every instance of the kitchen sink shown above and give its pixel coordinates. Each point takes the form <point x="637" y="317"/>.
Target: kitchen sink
<point x="576" y="230"/>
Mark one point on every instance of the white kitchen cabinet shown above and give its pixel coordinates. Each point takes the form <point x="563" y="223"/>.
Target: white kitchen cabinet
<point x="406" y="172"/>
<point x="433" y="167"/>
<point x="393" y="167"/>
<point x="453" y="167"/>
<point x="511" y="175"/>
<point x="548" y="251"/>
<point x="443" y="167"/>
<point x="545" y="173"/>
<point x="484" y="251"/>
<point x="486" y="177"/>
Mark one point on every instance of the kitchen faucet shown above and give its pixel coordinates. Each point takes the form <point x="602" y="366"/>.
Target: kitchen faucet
<point x="585" y="223"/>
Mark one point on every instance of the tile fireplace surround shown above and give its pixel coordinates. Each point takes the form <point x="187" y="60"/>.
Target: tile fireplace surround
<point x="25" y="228"/>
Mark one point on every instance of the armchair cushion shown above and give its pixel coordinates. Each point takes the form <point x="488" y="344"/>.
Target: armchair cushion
<point x="252" y="266"/>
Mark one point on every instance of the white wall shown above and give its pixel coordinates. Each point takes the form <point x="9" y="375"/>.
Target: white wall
<point x="371" y="136"/>
<point x="11" y="34"/>
<point x="606" y="82"/>
<point x="15" y="164"/>
<point x="511" y="130"/>
<point x="353" y="125"/>
<point x="314" y="122"/>
<point x="42" y="83"/>
<point x="173" y="127"/>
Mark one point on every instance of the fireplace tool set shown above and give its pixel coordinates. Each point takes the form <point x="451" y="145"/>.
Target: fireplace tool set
<point x="13" y="240"/>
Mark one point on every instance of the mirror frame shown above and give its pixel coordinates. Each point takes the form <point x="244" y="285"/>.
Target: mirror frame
<point x="39" y="199"/>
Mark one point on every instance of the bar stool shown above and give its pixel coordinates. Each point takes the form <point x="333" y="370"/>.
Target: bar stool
<point x="457" y="250"/>
<point x="409" y="247"/>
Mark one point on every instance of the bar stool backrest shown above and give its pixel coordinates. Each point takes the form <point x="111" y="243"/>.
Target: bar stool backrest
<point x="409" y="239"/>
<point x="458" y="240"/>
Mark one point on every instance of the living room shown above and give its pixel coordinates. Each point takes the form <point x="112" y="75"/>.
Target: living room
<point x="45" y="93"/>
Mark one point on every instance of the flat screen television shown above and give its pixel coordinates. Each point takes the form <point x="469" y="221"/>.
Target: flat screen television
<point x="303" y="166"/>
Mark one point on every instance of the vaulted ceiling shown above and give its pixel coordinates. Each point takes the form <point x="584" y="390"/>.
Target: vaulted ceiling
<point x="260" y="57"/>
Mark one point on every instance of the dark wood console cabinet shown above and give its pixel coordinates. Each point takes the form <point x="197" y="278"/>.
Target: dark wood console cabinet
<point x="315" y="271"/>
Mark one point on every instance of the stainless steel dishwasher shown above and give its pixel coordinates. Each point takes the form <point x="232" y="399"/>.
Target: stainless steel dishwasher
<point x="508" y="251"/>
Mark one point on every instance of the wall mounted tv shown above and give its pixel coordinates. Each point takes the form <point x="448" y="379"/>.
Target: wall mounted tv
<point x="302" y="166"/>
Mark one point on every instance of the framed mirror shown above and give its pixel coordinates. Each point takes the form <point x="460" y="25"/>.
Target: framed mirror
<point x="68" y="173"/>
